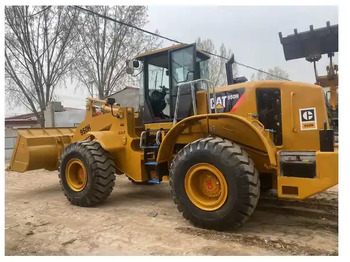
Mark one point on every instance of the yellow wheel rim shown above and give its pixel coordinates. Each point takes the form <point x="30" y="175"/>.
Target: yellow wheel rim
<point x="76" y="175"/>
<point x="206" y="186"/>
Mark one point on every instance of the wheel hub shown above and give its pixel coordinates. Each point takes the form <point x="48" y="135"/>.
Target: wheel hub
<point x="206" y="186"/>
<point x="210" y="185"/>
<point x="76" y="175"/>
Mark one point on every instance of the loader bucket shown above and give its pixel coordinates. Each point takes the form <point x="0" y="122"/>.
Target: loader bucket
<point x="39" y="148"/>
<point x="310" y="44"/>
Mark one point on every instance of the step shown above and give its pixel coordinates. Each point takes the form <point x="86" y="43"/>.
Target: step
<point x="153" y="181"/>
<point x="151" y="147"/>
<point x="151" y="163"/>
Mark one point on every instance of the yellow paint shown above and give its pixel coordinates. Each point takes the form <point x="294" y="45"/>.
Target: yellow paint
<point x="309" y="125"/>
<point x="294" y="96"/>
<point x="206" y="186"/>
<point x="229" y="126"/>
<point x="39" y="148"/>
<point x="158" y="126"/>
<point x="173" y="47"/>
<point x="76" y="175"/>
<point x="160" y="50"/>
<point x="116" y="135"/>
<point x="327" y="176"/>
<point x="334" y="97"/>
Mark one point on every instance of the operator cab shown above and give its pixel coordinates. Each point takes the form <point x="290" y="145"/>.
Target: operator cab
<point x="162" y="71"/>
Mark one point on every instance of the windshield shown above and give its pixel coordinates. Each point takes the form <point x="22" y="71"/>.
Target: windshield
<point x="182" y="65"/>
<point x="157" y="77"/>
<point x="158" y="90"/>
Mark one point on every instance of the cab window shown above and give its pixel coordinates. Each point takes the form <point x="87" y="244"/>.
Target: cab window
<point x="158" y="86"/>
<point x="269" y="111"/>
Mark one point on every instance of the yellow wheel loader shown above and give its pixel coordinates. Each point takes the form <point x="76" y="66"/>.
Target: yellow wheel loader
<point x="218" y="146"/>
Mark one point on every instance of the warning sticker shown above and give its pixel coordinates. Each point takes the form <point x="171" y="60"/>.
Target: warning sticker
<point x="308" y="118"/>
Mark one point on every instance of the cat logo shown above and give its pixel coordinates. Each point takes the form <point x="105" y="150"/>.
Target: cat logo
<point x="226" y="100"/>
<point x="219" y="106"/>
<point x="308" y="119"/>
<point x="220" y="102"/>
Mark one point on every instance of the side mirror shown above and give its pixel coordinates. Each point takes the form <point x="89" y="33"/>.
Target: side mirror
<point x="131" y="65"/>
<point x="110" y="101"/>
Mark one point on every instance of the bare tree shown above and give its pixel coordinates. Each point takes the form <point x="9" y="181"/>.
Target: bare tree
<point x="37" y="58"/>
<point x="217" y="71"/>
<point x="107" y="46"/>
<point x="276" y="71"/>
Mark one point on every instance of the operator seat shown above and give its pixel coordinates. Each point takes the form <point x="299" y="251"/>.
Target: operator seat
<point x="157" y="99"/>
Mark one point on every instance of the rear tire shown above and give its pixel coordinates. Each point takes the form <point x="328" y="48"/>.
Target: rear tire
<point x="89" y="158"/>
<point x="237" y="177"/>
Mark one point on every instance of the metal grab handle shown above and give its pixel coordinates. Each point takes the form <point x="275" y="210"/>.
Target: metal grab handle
<point x="177" y="103"/>
<point x="158" y="134"/>
<point x="141" y="139"/>
<point x="193" y="94"/>
<point x="194" y="100"/>
<point x="208" y="95"/>
<point x="291" y="112"/>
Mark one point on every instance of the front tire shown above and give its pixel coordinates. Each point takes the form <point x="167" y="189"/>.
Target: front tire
<point x="86" y="173"/>
<point x="214" y="183"/>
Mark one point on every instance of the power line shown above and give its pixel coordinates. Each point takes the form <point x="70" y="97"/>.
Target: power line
<point x="262" y="71"/>
<point x="173" y="40"/>
<point x="43" y="10"/>
<point x="250" y="67"/>
<point x="127" y="24"/>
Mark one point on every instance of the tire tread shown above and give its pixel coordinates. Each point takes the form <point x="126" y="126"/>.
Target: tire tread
<point x="250" y="179"/>
<point x="102" y="167"/>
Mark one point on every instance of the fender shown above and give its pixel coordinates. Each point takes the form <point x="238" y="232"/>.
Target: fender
<point x="232" y="127"/>
<point x="108" y="140"/>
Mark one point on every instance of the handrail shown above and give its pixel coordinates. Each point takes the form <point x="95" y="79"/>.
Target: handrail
<point x="291" y="111"/>
<point x="193" y="94"/>
<point x="158" y="134"/>
<point x="141" y="139"/>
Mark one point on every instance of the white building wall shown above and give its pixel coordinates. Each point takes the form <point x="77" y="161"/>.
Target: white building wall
<point x="70" y="118"/>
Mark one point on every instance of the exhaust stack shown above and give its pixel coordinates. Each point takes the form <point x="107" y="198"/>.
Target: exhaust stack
<point x="229" y="73"/>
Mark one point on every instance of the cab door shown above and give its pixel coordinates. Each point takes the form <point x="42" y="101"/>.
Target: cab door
<point x="182" y="68"/>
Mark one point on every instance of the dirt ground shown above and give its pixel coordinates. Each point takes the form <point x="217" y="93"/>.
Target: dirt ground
<point x="143" y="220"/>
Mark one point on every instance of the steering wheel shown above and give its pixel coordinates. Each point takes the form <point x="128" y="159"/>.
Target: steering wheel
<point x="156" y="95"/>
<point x="157" y="99"/>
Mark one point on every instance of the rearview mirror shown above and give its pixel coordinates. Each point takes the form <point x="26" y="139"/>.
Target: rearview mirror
<point x="110" y="101"/>
<point x="131" y="65"/>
